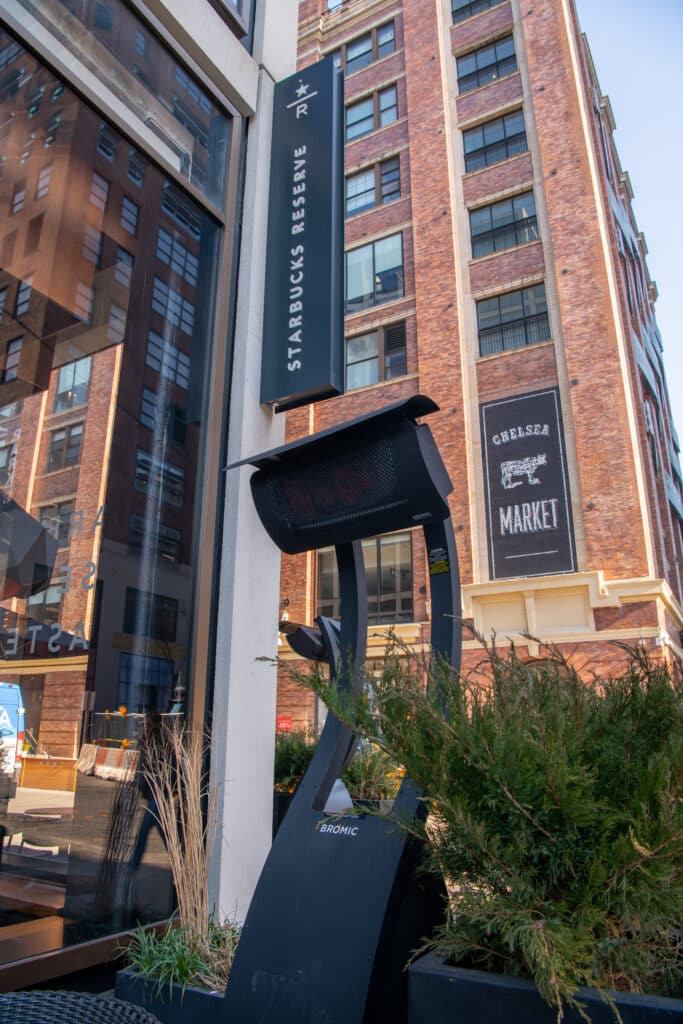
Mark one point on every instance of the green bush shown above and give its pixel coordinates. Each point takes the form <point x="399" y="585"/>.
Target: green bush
<point x="371" y="775"/>
<point x="293" y="753"/>
<point x="556" y="814"/>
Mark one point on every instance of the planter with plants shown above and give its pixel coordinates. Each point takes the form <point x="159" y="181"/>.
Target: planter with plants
<point x="556" y="819"/>
<point x="179" y="974"/>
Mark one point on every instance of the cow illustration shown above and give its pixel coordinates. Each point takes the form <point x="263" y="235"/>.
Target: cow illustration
<point x="521" y="467"/>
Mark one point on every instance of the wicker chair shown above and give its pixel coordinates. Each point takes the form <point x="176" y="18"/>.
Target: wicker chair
<point x="41" y="1007"/>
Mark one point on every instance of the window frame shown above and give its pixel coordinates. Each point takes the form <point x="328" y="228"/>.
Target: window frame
<point x="509" y="142"/>
<point x="499" y="235"/>
<point x="376" y="115"/>
<point x="483" y="74"/>
<point x="58" y="456"/>
<point x="391" y="165"/>
<point x="373" y="50"/>
<point x="470" y="8"/>
<point x="377" y="300"/>
<point x="58" y="513"/>
<point x="382" y="357"/>
<point x="377" y="596"/>
<point x="10" y="371"/>
<point x="520" y="332"/>
<point x="77" y="390"/>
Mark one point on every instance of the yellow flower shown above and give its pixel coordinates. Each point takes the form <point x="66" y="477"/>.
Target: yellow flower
<point x="125" y="744"/>
<point x="123" y="709"/>
<point x="107" y="713"/>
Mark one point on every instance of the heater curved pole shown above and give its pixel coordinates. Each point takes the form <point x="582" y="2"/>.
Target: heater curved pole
<point x="345" y="647"/>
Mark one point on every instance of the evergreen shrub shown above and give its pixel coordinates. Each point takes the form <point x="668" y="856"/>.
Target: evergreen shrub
<point x="556" y="813"/>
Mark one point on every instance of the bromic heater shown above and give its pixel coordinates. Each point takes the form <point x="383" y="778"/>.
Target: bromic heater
<point x="339" y="905"/>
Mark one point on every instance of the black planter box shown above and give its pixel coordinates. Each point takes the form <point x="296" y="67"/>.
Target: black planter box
<point x="173" y="1004"/>
<point x="439" y="994"/>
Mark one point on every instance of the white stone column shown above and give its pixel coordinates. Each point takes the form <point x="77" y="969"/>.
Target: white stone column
<point x="243" y="728"/>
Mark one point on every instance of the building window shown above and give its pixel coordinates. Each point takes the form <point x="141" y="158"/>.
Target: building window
<point x="376" y="111"/>
<point x="168" y="360"/>
<point x="389" y="571"/>
<point x="332" y="5"/>
<point x="12" y="358"/>
<point x="99" y="191"/>
<point x="503" y="225"/>
<point x="7" y="453"/>
<point x="43" y="183"/>
<point x="136" y="168"/>
<point x="123" y="268"/>
<point x="374" y="273"/>
<point x="375" y="356"/>
<point x="192" y="89"/>
<point x="164" y="418"/>
<point x="362" y="189"/>
<point x="372" y="46"/>
<point x="141" y="43"/>
<point x="171" y="305"/>
<point x="84" y="302"/>
<point x="65" y="448"/>
<point x="176" y="256"/>
<point x="116" y="329"/>
<point x="145" y="683"/>
<point x="150" y="615"/>
<point x="3" y="299"/>
<point x="129" y="215"/>
<point x="45" y="605"/>
<point x="23" y="296"/>
<point x="104" y="17"/>
<point x="56" y="519"/>
<point x="18" y="197"/>
<point x="73" y="385"/>
<point x="33" y="233"/>
<point x="160" y="479"/>
<point x="486" y="64"/>
<point x="463" y="9"/>
<point x="513" y="320"/>
<point x="180" y="209"/>
<point x="146" y="533"/>
<point x="107" y="141"/>
<point x="495" y="141"/>
<point x="92" y="245"/>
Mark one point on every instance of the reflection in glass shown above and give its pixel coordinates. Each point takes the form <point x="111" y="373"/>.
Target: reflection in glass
<point x="131" y="62"/>
<point x="106" y="296"/>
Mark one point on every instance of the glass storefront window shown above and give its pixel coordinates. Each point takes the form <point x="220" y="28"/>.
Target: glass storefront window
<point x="107" y="286"/>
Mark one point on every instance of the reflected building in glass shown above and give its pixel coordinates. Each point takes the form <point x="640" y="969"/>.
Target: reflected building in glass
<point x="119" y="186"/>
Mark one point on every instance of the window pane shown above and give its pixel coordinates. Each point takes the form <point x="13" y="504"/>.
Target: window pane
<point x="359" y="53"/>
<point x="360" y="191"/>
<point x="389" y="268"/>
<point x="359" y="278"/>
<point x="390" y="178"/>
<point x="359" y="119"/>
<point x="386" y="40"/>
<point x="388" y="108"/>
<point x="480" y="220"/>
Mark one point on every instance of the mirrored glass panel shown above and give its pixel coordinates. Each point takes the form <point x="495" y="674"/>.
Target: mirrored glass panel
<point x="107" y="274"/>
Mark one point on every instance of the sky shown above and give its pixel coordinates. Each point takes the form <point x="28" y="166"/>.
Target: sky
<point x="637" y="48"/>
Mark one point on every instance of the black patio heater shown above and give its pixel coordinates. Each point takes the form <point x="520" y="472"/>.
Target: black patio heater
<point x="340" y="905"/>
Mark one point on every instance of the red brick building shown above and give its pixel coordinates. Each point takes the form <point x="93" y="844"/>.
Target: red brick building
<point x="493" y="263"/>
